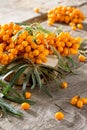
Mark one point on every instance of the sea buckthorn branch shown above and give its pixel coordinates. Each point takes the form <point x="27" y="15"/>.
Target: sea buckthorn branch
<point x="28" y="49"/>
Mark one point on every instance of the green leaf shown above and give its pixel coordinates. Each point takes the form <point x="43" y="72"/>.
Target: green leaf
<point x="10" y="108"/>
<point x="26" y="80"/>
<point x="40" y="28"/>
<point x="38" y="78"/>
<point x="14" y="92"/>
<point x="3" y="110"/>
<point x="14" y="78"/>
<point x="47" y="67"/>
<point x="34" y="81"/>
<point x="43" y="75"/>
<point x="13" y="67"/>
<point x="16" y="36"/>
<point x="19" y="100"/>
<point x="46" y="91"/>
<point x="71" y="61"/>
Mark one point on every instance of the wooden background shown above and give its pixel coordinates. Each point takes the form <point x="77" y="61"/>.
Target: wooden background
<point x="41" y="115"/>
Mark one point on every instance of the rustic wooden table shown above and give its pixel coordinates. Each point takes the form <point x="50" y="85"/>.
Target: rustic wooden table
<point x="41" y="115"/>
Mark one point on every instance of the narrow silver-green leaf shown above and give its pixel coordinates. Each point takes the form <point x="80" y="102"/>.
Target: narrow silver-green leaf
<point x="71" y="61"/>
<point x="10" y="108"/>
<point x="26" y="80"/>
<point x="18" y="100"/>
<point x="38" y="78"/>
<point x="46" y="91"/>
<point x="14" y="78"/>
<point x="33" y="81"/>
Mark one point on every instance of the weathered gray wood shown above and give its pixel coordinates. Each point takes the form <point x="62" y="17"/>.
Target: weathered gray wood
<point x="41" y="115"/>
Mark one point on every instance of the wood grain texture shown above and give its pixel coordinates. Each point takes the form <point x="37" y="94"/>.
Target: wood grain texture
<point x="41" y="115"/>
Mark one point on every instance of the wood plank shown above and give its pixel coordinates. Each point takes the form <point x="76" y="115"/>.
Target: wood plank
<point x="41" y="115"/>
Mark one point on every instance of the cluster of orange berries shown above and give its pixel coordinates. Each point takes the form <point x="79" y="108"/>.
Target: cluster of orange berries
<point x="33" y="46"/>
<point x="79" y="102"/>
<point x="68" y="15"/>
<point x="24" y="45"/>
<point x="25" y="105"/>
<point x="7" y="49"/>
<point x="66" y="44"/>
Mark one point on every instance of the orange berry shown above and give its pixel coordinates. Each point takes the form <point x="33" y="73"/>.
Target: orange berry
<point x="25" y="106"/>
<point x="28" y="48"/>
<point x="46" y="52"/>
<point x="11" y="56"/>
<point x="38" y="61"/>
<point x="79" y="103"/>
<point x="50" y="22"/>
<point x="5" y="37"/>
<point x="35" y="52"/>
<point x="80" y="26"/>
<point x="33" y="45"/>
<point x="24" y="43"/>
<point x="59" y="115"/>
<point x="82" y="58"/>
<point x="71" y="24"/>
<point x="75" y="46"/>
<point x="41" y="48"/>
<point x="37" y="10"/>
<point x="60" y="49"/>
<point x="78" y="40"/>
<point x="41" y="56"/>
<point x="64" y="85"/>
<point x="84" y="100"/>
<point x="65" y="51"/>
<point x="25" y="55"/>
<point x="73" y="27"/>
<point x="68" y="44"/>
<point x="27" y="95"/>
<point x="30" y="55"/>
<point x="29" y="39"/>
<point x="74" y="100"/>
<point x="72" y="51"/>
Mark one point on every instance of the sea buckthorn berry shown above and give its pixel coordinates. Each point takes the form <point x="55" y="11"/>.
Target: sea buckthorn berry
<point x="37" y="10"/>
<point x="24" y="43"/>
<point x="73" y="27"/>
<point x="68" y="44"/>
<point x="33" y="45"/>
<point x="50" y="22"/>
<point x="59" y="115"/>
<point x="35" y="52"/>
<point x="65" y="51"/>
<point x="79" y="26"/>
<point x="72" y="51"/>
<point x="79" y="103"/>
<point x="82" y="58"/>
<point x="40" y="48"/>
<point x="27" y="95"/>
<point x="64" y="85"/>
<point x="28" y="48"/>
<point x="75" y="46"/>
<point x="5" y="37"/>
<point x="25" y="106"/>
<point x="38" y="61"/>
<point x="26" y="55"/>
<point x="84" y="100"/>
<point x="74" y="100"/>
